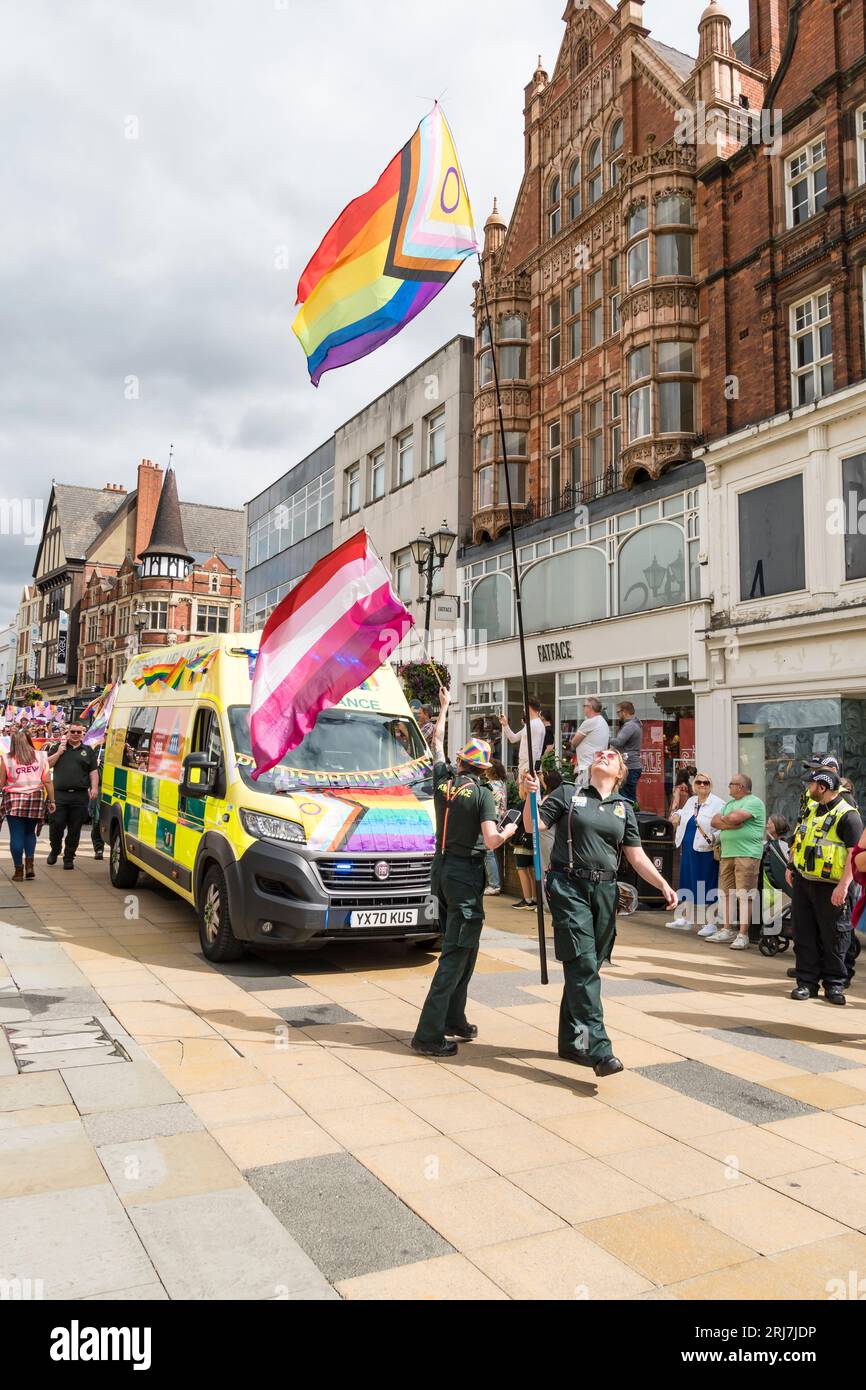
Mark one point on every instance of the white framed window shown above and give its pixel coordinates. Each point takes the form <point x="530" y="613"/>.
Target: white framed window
<point x="402" y="569"/>
<point x="806" y="181"/>
<point x="640" y="413"/>
<point x="674" y="253"/>
<point x="860" y="136"/>
<point x="92" y="628"/>
<point x="353" y="489"/>
<point x="212" y="617"/>
<point x="574" y="447"/>
<point x="554" y="339"/>
<point x="156" y="616"/>
<point x="615" y="428"/>
<point x="405" y="457"/>
<point x="554" y="458"/>
<point x="674" y="209"/>
<point x="377" y="475"/>
<point x="811" y="349"/>
<point x="616" y="142"/>
<point x="595" y="174"/>
<point x="638" y="363"/>
<point x="615" y="321"/>
<point x="485" y="368"/>
<point x="485" y="488"/>
<point x="436" y="440"/>
<point x="554" y="207"/>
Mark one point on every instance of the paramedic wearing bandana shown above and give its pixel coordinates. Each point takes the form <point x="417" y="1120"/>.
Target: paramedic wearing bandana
<point x="593" y="826"/>
<point x="465" y="830"/>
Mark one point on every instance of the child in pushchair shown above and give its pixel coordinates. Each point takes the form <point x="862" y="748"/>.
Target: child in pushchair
<point x="775" y="932"/>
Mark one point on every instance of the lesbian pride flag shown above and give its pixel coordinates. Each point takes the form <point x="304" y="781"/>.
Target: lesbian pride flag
<point x="388" y="254"/>
<point x="327" y="636"/>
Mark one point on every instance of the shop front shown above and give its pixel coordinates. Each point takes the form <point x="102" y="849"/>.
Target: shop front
<point x="777" y="736"/>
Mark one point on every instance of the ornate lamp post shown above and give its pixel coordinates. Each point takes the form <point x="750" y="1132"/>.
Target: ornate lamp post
<point x="430" y="554"/>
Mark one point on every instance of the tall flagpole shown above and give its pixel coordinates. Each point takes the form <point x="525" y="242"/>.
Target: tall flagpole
<point x="533" y="800"/>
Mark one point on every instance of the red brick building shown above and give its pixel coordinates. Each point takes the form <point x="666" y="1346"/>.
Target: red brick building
<point x="160" y="572"/>
<point x="593" y="286"/>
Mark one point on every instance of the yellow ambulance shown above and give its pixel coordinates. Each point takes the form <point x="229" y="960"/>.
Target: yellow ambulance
<point x="334" y="844"/>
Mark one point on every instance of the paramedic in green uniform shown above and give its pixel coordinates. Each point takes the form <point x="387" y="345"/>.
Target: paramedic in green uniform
<point x="465" y="828"/>
<point x="593" y="824"/>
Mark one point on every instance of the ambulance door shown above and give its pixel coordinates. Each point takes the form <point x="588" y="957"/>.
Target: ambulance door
<point x="198" y="814"/>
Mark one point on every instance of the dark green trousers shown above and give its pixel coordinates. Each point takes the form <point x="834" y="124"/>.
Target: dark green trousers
<point x="459" y="886"/>
<point x="584" y="930"/>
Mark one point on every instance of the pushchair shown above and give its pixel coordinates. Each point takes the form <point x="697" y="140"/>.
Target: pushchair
<point x="775" y="931"/>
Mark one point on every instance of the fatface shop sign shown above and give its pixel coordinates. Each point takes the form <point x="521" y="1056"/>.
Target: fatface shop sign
<point x="555" y="651"/>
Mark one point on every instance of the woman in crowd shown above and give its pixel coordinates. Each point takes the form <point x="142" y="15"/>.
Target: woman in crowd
<point x="696" y="841"/>
<point x="498" y="783"/>
<point x="25" y="787"/>
<point x="681" y="793"/>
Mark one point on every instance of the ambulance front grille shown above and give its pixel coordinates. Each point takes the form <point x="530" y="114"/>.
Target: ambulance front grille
<point x="352" y="876"/>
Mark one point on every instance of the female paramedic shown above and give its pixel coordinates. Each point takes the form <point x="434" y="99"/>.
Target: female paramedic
<point x="594" y="826"/>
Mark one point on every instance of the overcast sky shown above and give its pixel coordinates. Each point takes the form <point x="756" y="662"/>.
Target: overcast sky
<point x="165" y="160"/>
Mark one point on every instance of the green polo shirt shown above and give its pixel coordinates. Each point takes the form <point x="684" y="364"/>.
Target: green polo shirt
<point x="747" y="841"/>
<point x="471" y="802"/>
<point x="600" y="827"/>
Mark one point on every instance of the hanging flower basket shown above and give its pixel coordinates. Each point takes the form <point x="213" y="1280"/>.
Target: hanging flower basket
<point x="420" y="683"/>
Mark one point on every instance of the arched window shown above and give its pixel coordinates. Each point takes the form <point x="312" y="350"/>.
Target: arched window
<point x="565" y="590"/>
<point x="616" y="141"/>
<point x="652" y="569"/>
<point x="554" y="206"/>
<point x="574" y="198"/>
<point x="492" y="608"/>
<point x="595" y="174"/>
<point x="582" y="57"/>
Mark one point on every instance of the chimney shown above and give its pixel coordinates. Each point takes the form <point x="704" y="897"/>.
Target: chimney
<point x="149" y="486"/>
<point x="114" y="487"/>
<point x="768" y="30"/>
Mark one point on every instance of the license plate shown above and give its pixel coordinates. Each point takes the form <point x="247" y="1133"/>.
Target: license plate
<point x="385" y="917"/>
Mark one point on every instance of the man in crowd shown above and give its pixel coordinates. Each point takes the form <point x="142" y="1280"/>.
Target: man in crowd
<point x="538" y="736"/>
<point x="592" y="737"/>
<point x="425" y="722"/>
<point x="742" y="823"/>
<point x="76" y="785"/>
<point x="819" y="878"/>
<point x="628" y="742"/>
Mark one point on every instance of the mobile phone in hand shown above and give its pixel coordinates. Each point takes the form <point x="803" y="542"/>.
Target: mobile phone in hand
<point x="513" y="817"/>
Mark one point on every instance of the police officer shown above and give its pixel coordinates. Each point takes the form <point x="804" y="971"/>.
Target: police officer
<point x="819" y="878"/>
<point x="465" y="828"/>
<point x="594" y="826"/>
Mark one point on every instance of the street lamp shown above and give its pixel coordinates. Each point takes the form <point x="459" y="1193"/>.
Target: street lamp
<point x="430" y="554"/>
<point x="139" y="619"/>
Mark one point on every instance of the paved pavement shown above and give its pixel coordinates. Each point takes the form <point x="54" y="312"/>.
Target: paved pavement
<point x="169" y="1129"/>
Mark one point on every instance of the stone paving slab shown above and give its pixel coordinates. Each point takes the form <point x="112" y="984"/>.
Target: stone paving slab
<point x="79" y="1242"/>
<point x="149" y="1122"/>
<point x="745" y="1099"/>
<point x="317" y="1014"/>
<point x="226" y="1245"/>
<point x="503" y="991"/>
<point x="370" y="1228"/>
<point x="625" y="988"/>
<point x="796" y="1054"/>
<point x="129" y="1087"/>
<point x="52" y="1003"/>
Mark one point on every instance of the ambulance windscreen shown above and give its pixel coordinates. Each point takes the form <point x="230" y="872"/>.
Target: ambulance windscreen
<point x="345" y="748"/>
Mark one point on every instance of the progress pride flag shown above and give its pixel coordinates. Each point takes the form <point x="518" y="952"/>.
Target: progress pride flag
<point x="326" y="637"/>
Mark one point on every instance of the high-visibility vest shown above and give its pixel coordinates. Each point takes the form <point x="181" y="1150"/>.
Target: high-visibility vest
<point x="818" y="852"/>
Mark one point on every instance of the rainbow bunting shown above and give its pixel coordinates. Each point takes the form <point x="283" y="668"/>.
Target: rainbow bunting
<point x="388" y="254"/>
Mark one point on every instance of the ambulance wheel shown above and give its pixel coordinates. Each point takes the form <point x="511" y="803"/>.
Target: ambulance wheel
<point x="218" y="941"/>
<point x="120" y="871"/>
<point x="768" y="947"/>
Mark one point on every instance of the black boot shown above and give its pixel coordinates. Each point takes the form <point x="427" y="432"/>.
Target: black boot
<point x="608" y="1066"/>
<point x="440" y="1049"/>
<point x="834" y="996"/>
<point x="805" y="992"/>
<point x="52" y="857"/>
<point x="467" y="1033"/>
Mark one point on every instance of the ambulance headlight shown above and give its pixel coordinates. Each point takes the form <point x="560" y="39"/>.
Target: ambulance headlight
<point x="265" y="827"/>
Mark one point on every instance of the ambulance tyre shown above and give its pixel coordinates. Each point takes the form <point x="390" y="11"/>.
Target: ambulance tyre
<point x="120" y="871"/>
<point x="218" y="941"/>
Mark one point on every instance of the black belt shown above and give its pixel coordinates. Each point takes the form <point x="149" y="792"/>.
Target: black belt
<point x="588" y="875"/>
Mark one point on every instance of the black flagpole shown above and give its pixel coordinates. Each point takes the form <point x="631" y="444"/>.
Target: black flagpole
<point x="539" y="895"/>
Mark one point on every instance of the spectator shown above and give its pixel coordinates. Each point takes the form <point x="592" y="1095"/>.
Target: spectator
<point x="628" y="742"/>
<point x="537" y="726"/>
<point x="549" y="735"/>
<point x="425" y="722"/>
<point x="524" y="856"/>
<point x="681" y="793"/>
<point x="25" y="788"/>
<point x="699" y="869"/>
<point x="592" y="737"/>
<point x="498" y="783"/>
<point x="742" y="823"/>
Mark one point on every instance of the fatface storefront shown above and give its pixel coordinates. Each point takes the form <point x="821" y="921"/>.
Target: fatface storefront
<point x="612" y="611"/>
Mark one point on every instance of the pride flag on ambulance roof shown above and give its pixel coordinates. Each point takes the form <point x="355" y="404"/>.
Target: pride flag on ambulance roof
<point x="327" y="636"/>
<point x="388" y="254"/>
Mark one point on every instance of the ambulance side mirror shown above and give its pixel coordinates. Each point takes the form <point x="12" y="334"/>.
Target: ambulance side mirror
<point x="199" y="776"/>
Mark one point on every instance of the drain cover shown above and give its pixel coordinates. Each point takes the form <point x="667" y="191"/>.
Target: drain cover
<point x="62" y="1042"/>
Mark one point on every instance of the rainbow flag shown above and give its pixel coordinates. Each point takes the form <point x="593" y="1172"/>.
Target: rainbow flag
<point x="388" y="254"/>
